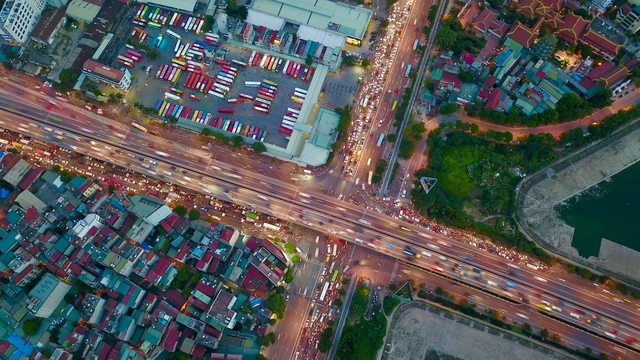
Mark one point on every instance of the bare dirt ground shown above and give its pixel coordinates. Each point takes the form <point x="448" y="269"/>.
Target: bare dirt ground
<point x="418" y="332"/>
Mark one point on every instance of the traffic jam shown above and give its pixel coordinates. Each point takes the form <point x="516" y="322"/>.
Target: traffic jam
<point x="323" y="295"/>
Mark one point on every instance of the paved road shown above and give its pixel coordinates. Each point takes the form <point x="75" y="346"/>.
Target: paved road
<point x="513" y="313"/>
<point x="628" y="100"/>
<point x="194" y="168"/>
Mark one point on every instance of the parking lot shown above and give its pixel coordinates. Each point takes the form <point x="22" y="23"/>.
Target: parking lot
<point x="146" y="89"/>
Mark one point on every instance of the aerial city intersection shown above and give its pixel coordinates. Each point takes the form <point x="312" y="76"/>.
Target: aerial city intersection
<point x="289" y="180"/>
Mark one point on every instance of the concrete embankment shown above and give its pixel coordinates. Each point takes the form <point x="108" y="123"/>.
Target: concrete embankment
<point x="541" y="192"/>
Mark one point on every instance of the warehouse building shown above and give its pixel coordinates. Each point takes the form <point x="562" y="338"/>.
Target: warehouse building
<point x="347" y="21"/>
<point x="184" y="6"/>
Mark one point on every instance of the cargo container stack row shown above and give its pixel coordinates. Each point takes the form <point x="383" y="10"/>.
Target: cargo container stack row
<point x="265" y="61"/>
<point x="139" y="35"/>
<point x="188" y="23"/>
<point x="188" y="113"/>
<point x="236" y="127"/>
<point x="212" y="39"/>
<point x="299" y="96"/>
<point x="169" y="73"/>
<point x="289" y="120"/>
<point x="266" y="95"/>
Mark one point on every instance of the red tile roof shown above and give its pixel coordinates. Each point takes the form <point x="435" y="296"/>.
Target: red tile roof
<point x="524" y="35"/>
<point x="29" y="178"/>
<point x="601" y="70"/>
<point x="613" y="77"/>
<point x="31" y="213"/>
<point x="206" y="289"/>
<point x="488" y="21"/>
<point x="103" y="70"/>
<point x="572" y="28"/>
<point x="596" y="40"/>
<point x="494" y="98"/>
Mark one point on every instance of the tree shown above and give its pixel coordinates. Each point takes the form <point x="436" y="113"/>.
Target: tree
<point x="407" y="147"/>
<point x="295" y="259"/>
<point x="448" y="108"/>
<point x="544" y="333"/>
<point x="279" y="289"/>
<point x="527" y="328"/>
<point x="179" y="355"/>
<point x="259" y="147"/>
<point x="67" y="77"/>
<point x="180" y="210"/>
<point x="586" y="51"/>
<point x="237" y="141"/>
<point x="365" y="63"/>
<point x="446" y="38"/>
<point x="116" y="97"/>
<point x="603" y="356"/>
<point x="69" y="298"/>
<point x="288" y="277"/>
<point x="309" y="60"/>
<point x="261" y="357"/>
<point x="290" y="248"/>
<point x="111" y="189"/>
<point x="30" y="326"/>
<point x="466" y="76"/>
<point x="384" y="23"/>
<point x="326" y="340"/>
<point x="601" y="99"/>
<point x="277" y="304"/>
<point x="338" y="302"/>
<point x="392" y="137"/>
<point x="194" y="214"/>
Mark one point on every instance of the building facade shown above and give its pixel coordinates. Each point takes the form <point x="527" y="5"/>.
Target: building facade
<point x="47" y="28"/>
<point x="107" y="75"/>
<point x="18" y="18"/>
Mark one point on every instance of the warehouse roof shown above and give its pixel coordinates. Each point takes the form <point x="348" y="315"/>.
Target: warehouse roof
<point x="322" y="14"/>
<point x="105" y="71"/>
<point x="184" y="5"/>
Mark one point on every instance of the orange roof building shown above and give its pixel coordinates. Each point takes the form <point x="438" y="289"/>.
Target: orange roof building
<point x="601" y="45"/>
<point x="572" y="28"/>
<point x="487" y="23"/>
<point x="546" y="9"/>
<point x="523" y="35"/>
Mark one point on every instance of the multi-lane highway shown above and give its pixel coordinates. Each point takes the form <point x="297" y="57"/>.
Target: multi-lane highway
<point x="194" y="168"/>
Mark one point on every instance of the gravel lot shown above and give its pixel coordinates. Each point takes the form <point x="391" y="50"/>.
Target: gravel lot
<point x="419" y="331"/>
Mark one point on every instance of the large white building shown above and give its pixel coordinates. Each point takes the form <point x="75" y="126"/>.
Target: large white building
<point x="18" y="18"/>
<point x="105" y="74"/>
<point x="47" y="295"/>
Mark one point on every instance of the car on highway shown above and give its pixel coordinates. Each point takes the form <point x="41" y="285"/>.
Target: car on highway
<point x="49" y="107"/>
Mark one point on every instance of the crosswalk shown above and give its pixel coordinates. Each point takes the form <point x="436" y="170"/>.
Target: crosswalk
<point x="179" y="147"/>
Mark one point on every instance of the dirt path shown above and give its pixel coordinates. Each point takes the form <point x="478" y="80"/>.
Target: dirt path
<point x="418" y="331"/>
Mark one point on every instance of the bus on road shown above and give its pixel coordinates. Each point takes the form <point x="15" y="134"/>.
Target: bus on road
<point x="139" y="127"/>
<point x="395" y="104"/>
<point x="335" y="276"/>
<point x="380" y="139"/>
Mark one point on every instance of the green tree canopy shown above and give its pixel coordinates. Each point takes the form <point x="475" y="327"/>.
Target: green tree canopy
<point x="194" y="214"/>
<point x="180" y="210"/>
<point x="326" y="340"/>
<point x="30" y="327"/>
<point x="259" y="147"/>
<point x="446" y="38"/>
<point x="277" y="304"/>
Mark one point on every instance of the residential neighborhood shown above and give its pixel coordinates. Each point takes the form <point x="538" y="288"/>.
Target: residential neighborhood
<point x="98" y="273"/>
